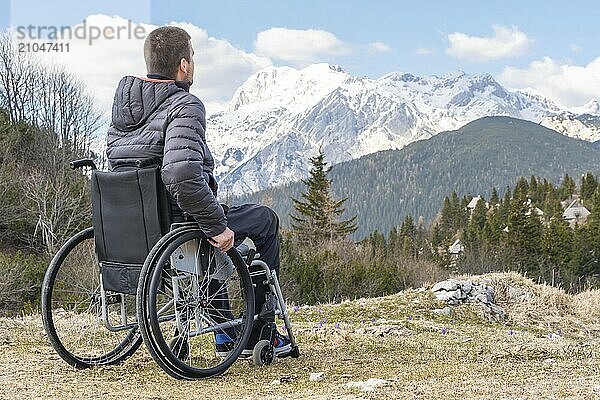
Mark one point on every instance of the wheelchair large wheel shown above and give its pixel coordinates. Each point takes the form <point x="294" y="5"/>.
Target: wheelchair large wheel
<point x="72" y="308"/>
<point x="195" y="321"/>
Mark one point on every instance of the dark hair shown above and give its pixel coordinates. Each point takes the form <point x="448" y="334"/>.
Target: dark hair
<point x="164" y="48"/>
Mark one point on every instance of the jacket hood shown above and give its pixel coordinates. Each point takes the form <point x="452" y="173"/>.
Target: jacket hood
<point x="137" y="98"/>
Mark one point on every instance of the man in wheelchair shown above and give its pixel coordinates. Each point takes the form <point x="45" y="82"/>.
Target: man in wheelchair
<point x="156" y="121"/>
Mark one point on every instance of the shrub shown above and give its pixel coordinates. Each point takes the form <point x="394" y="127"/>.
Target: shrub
<point x="345" y="270"/>
<point x="20" y="281"/>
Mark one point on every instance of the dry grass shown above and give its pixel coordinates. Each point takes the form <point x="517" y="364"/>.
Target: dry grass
<point x="397" y="338"/>
<point x="543" y="307"/>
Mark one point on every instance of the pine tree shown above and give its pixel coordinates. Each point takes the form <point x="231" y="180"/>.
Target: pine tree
<point x="408" y="227"/>
<point x="447" y="225"/>
<point x="492" y="229"/>
<point x="474" y="233"/>
<point x="318" y="214"/>
<point x="463" y="212"/>
<point x="590" y="240"/>
<point x="437" y="237"/>
<point x="552" y="206"/>
<point x="521" y="189"/>
<point x="567" y="187"/>
<point x="494" y="199"/>
<point x="534" y="190"/>
<point x="408" y="234"/>
<point x="377" y="244"/>
<point x="394" y="238"/>
<point x="588" y="187"/>
<point x="524" y="231"/>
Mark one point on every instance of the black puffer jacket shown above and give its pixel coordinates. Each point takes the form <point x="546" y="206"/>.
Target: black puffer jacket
<point x="159" y="123"/>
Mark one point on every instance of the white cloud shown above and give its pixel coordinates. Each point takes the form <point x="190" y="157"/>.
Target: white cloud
<point x="425" y="51"/>
<point x="506" y="42"/>
<point x="380" y="47"/>
<point x="300" y="47"/>
<point x="569" y="85"/>
<point x="220" y="67"/>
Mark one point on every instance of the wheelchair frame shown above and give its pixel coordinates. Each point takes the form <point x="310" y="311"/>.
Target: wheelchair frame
<point x="142" y="329"/>
<point x="281" y="311"/>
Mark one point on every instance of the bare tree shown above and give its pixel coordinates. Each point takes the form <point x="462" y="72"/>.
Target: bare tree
<point x="59" y="211"/>
<point x="47" y="97"/>
<point x="52" y="120"/>
<point x="67" y="110"/>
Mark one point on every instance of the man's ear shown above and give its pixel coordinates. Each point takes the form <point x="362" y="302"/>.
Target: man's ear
<point x="184" y="65"/>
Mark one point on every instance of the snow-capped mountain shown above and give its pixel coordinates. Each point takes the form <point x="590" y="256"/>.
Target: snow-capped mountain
<point x="578" y="122"/>
<point x="280" y="116"/>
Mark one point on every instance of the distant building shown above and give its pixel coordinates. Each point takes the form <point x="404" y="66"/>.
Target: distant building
<point x="473" y="203"/>
<point x="576" y="213"/>
<point x="456" y="248"/>
<point x="565" y="203"/>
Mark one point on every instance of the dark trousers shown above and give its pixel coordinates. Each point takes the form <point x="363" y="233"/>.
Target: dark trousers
<point x="261" y="225"/>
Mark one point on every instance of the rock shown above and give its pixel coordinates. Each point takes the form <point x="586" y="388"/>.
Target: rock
<point x="482" y="298"/>
<point x="445" y="296"/>
<point x="316" y="376"/>
<point x="447" y="285"/>
<point x="455" y="292"/>
<point x="447" y="311"/>
<point x="496" y="310"/>
<point x="275" y="382"/>
<point x="467" y="287"/>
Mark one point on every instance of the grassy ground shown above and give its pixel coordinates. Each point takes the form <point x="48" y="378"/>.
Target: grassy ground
<point x="548" y="348"/>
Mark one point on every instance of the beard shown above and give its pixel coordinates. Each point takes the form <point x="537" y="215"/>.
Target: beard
<point x="189" y="78"/>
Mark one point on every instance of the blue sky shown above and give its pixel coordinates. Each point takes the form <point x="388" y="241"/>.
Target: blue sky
<point x="557" y="27"/>
<point x="549" y="44"/>
<point x="405" y="26"/>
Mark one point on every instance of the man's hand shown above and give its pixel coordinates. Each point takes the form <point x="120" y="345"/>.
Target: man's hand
<point x="223" y="241"/>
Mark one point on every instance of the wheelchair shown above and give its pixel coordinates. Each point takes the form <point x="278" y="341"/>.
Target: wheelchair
<point x="137" y="275"/>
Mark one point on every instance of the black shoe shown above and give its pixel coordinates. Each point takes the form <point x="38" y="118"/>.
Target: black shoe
<point x="283" y="345"/>
<point x="224" y="349"/>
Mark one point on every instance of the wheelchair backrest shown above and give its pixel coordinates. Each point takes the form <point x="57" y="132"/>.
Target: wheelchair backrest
<point x="130" y="213"/>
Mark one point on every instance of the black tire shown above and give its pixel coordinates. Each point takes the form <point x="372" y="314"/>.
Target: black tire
<point x="72" y="312"/>
<point x="164" y="338"/>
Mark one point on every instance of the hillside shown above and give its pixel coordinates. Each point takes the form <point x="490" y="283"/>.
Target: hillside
<point x="547" y="347"/>
<point x="384" y="187"/>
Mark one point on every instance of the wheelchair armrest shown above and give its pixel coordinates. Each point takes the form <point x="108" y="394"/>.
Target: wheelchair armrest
<point x="247" y="252"/>
<point x="86" y="162"/>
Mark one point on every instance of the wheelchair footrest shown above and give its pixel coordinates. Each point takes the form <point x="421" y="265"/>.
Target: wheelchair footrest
<point x="267" y="312"/>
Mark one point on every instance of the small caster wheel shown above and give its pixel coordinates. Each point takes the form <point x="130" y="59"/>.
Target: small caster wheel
<point x="180" y="347"/>
<point x="263" y="353"/>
